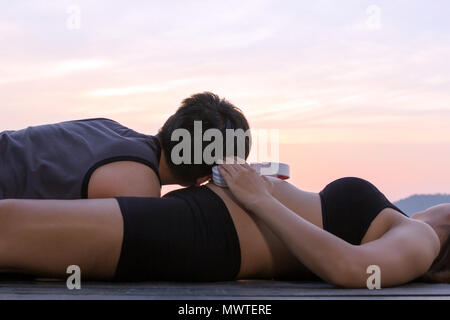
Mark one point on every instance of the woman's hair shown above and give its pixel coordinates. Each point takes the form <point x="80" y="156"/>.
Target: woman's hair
<point x="440" y="269"/>
<point x="214" y="113"/>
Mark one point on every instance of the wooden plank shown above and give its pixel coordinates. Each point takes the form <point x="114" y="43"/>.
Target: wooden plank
<point x="271" y="290"/>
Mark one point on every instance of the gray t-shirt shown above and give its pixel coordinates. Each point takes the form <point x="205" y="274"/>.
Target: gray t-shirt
<point x="56" y="161"/>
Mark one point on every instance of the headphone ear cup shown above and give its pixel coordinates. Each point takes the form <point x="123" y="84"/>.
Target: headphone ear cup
<point x="283" y="172"/>
<point x="274" y="169"/>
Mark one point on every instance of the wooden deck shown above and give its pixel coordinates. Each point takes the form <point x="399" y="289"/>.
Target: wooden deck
<point x="242" y="290"/>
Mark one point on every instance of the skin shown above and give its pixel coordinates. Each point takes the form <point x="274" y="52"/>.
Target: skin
<point x="403" y="248"/>
<point x="44" y="237"/>
<point x="124" y="178"/>
<point x="279" y="229"/>
<point x="132" y="179"/>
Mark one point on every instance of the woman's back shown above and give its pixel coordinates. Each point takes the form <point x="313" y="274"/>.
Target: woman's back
<point x="263" y="253"/>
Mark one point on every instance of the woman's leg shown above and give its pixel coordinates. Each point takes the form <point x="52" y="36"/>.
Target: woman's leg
<point x="44" y="237"/>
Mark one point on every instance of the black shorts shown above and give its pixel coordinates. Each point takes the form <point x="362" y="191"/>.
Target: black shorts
<point x="349" y="205"/>
<point x="188" y="235"/>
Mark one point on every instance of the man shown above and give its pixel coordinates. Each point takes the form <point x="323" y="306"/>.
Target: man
<point x="100" y="158"/>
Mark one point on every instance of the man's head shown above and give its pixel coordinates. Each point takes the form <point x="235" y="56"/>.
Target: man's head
<point x="213" y="113"/>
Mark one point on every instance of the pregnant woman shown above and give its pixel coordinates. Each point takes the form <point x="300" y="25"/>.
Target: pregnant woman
<point x="258" y="228"/>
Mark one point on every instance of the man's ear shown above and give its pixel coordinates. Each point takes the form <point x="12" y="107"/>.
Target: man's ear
<point x="202" y="180"/>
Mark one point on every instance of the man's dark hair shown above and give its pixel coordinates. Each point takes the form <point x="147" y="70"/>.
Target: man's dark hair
<point x="214" y="113"/>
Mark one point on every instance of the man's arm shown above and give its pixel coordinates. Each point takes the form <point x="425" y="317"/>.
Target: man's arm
<point x="124" y="179"/>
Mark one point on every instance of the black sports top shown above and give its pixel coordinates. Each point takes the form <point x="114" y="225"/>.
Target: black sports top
<point x="349" y="206"/>
<point x="56" y="161"/>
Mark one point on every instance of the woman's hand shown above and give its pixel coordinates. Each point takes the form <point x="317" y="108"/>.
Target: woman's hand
<point x="247" y="185"/>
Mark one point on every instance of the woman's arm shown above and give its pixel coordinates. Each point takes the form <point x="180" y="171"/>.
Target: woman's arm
<point x="403" y="253"/>
<point x="321" y="252"/>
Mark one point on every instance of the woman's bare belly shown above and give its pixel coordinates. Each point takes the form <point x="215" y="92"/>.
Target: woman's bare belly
<point x="263" y="254"/>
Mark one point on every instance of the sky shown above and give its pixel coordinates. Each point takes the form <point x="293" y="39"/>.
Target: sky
<point x="355" y="88"/>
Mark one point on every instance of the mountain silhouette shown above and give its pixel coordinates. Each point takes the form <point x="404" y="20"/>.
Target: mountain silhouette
<point x="420" y="202"/>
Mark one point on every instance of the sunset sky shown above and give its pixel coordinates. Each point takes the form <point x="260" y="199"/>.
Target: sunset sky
<point x="356" y="88"/>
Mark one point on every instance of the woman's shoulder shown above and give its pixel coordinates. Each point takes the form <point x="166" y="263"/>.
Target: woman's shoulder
<point x="419" y="232"/>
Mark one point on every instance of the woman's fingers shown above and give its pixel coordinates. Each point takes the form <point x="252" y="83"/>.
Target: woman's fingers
<point x="225" y="174"/>
<point x="229" y="168"/>
<point x="232" y="167"/>
<point x="247" y="166"/>
<point x="231" y="164"/>
<point x="244" y="182"/>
